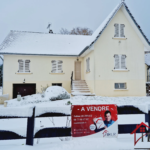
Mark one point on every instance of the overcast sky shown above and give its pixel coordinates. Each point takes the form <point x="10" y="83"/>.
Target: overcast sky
<point x="34" y="15"/>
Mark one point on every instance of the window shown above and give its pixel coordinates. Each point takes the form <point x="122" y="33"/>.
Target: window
<point x="142" y="129"/>
<point x="24" y="65"/>
<point x="57" y="66"/>
<point x="119" y="30"/>
<point x="120" y="86"/>
<point x="56" y="84"/>
<point x="88" y="65"/>
<point x="120" y="61"/>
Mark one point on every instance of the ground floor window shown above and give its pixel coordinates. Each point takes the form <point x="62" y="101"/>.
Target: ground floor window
<point x="56" y="84"/>
<point x="120" y="86"/>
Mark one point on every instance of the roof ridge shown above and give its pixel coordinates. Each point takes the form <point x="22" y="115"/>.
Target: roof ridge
<point x="49" y="33"/>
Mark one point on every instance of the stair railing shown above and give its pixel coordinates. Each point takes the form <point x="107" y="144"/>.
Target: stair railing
<point x="71" y="79"/>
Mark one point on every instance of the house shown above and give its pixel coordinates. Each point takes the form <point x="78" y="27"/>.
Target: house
<point x="111" y="62"/>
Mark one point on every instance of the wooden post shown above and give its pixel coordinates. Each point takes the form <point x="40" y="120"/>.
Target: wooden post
<point x="30" y="129"/>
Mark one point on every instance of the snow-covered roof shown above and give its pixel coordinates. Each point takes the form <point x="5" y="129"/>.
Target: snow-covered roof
<point x="31" y="43"/>
<point x="147" y="59"/>
<point x="18" y="42"/>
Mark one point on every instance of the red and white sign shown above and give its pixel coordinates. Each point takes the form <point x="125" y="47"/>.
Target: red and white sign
<point x="94" y="120"/>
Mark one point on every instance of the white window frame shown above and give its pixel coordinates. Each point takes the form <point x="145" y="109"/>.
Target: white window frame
<point x="24" y="70"/>
<point x="119" y="84"/>
<point x="57" y="70"/>
<point x="119" y="31"/>
<point x="120" y="60"/>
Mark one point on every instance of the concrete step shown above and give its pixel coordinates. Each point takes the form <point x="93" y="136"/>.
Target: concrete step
<point x="80" y="88"/>
<point x="80" y="91"/>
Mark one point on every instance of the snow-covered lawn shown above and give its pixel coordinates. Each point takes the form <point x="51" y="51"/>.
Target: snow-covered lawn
<point x="73" y="144"/>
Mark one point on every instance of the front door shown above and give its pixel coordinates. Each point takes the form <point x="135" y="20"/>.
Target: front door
<point x="23" y="89"/>
<point x="78" y="70"/>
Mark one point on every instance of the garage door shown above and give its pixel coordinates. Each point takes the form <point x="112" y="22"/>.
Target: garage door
<point x="23" y="89"/>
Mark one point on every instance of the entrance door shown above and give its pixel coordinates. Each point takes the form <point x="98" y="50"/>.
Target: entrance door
<point x="77" y="70"/>
<point x="23" y="89"/>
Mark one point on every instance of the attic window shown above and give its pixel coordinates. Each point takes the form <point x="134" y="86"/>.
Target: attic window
<point x="119" y="30"/>
<point x="24" y="66"/>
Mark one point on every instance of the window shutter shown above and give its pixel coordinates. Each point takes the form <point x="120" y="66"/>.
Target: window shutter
<point x="122" y="30"/>
<point x="59" y="66"/>
<point x="27" y="65"/>
<point x="54" y="66"/>
<point x="89" y="64"/>
<point x="116" y="61"/>
<point x="123" y="62"/>
<point x="86" y="65"/>
<point x="116" y="30"/>
<point x="21" y="65"/>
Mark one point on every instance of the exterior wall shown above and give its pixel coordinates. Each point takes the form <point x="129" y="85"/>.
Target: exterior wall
<point x="40" y="67"/>
<point x="89" y="76"/>
<point x="104" y="50"/>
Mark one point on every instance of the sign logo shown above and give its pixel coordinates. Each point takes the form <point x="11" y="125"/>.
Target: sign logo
<point x="141" y="129"/>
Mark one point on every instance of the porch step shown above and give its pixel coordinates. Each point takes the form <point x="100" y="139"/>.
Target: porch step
<point x="80" y="87"/>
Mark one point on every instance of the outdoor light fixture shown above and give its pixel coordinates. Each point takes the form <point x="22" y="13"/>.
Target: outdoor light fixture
<point x="24" y="81"/>
<point x="77" y="59"/>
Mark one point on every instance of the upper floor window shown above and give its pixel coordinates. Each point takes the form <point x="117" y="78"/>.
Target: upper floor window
<point x="120" y="61"/>
<point x="24" y="65"/>
<point x="57" y="66"/>
<point x="88" y="64"/>
<point x="119" y="30"/>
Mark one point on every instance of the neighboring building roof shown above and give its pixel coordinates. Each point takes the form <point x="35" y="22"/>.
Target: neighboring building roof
<point x="57" y="44"/>
<point x="147" y="59"/>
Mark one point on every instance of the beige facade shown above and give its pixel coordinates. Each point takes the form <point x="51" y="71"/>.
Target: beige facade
<point x="102" y="76"/>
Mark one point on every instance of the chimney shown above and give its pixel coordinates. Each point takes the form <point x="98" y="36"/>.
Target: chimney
<point x="51" y="31"/>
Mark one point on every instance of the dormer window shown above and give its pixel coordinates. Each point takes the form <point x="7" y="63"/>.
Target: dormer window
<point x="119" y="30"/>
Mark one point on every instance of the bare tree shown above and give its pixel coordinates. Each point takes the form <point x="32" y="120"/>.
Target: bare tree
<point x="81" y="31"/>
<point x="64" y="31"/>
<point x="77" y="31"/>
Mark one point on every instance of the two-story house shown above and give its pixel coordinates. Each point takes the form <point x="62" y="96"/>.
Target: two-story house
<point x="111" y="62"/>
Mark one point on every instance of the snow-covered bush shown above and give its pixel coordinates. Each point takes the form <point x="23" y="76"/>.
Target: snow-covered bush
<point x="56" y="93"/>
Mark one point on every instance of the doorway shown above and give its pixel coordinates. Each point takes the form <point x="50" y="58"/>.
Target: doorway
<point x="78" y="70"/>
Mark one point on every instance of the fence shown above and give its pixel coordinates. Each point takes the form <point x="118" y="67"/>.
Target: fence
<point x="128" y="118"/>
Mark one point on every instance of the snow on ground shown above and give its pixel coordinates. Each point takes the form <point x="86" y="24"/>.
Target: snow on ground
<point x="45" y="105"/>
<point x="74" y="144"/>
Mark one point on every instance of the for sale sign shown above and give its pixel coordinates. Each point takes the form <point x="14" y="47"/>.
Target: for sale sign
<point x="94" y="120"/>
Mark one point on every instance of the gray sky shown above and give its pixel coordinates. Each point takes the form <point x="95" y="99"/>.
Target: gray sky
<point x="34" y="15"/>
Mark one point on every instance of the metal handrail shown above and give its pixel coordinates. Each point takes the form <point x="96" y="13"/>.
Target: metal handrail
<point x="71" y="79"/>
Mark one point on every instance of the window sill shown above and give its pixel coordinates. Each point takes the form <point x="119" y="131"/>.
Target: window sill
<point x="120" y="89"/>
<point x="23" y="73"/>
<point x="57" y="73"/>
<point x="119" y="38"/>
<point x="87" y="72"/>
<point x="120" y="70"/>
